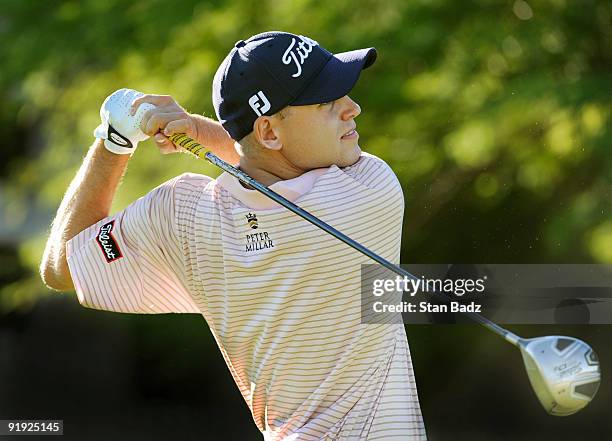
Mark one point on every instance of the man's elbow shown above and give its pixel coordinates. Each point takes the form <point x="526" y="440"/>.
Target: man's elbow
<point x="55" y="280"/>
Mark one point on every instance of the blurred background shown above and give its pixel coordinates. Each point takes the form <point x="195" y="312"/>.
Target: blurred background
<point x="494" y="114"/>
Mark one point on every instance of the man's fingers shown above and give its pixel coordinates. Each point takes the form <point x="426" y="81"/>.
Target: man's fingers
<point x="156" y="100"/>
<point x="164" y="144"/>
<point x="180" y="126"/>
<point x="160" y="139"/>
<point x="153" y="112"/>
<point x="154" y="121"/>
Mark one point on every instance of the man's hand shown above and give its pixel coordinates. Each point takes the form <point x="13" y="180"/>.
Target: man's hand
<point x="165" y="119"/>
<point x="120" y="129"/>
<point x="168" y="118"/>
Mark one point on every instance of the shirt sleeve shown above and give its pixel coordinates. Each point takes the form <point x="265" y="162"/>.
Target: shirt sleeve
<point x="132" y="261"/>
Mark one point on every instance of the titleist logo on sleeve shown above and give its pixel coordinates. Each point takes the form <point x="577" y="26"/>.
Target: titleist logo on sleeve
<point x="107" y="242"/>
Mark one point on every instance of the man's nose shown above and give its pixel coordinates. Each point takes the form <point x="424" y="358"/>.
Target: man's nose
<point x="350" y="108"/>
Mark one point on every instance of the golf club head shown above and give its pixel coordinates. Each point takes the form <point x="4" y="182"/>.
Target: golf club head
<point x="563" y="371"/>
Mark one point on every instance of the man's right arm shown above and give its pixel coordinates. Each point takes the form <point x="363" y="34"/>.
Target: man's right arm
<point x="211" y="134"/>
<point x="169" y="118"/>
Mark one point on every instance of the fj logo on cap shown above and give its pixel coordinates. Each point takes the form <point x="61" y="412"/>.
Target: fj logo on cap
<point x="298" y="54"/>
<point x="259" y="103"/>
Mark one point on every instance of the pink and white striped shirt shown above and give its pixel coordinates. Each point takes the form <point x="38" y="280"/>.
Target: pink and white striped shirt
<point x="281" y="297"/>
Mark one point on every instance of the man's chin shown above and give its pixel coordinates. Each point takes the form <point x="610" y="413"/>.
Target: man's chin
<point x="351" y="157"/>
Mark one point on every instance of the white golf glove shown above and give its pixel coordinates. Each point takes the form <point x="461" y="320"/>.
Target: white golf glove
<point x="120" y="130"/>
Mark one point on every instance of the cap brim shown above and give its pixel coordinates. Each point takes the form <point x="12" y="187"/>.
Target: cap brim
<point x="337" y="78"/>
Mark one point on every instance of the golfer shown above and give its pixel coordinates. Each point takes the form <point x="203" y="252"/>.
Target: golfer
<point x="281" y="297"/>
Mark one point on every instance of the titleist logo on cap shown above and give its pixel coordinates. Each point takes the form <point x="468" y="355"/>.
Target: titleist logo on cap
<point x="298" y="54"/>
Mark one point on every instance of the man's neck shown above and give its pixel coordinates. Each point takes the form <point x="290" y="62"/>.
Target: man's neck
<point x="269" y="169"/>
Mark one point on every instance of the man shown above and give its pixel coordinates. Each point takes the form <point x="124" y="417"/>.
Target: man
<point x="281" y="298"/>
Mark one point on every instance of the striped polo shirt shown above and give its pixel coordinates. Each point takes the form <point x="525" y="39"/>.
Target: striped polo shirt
<point x="281" y="297"/>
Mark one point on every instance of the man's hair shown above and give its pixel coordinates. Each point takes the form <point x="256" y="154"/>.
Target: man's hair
<point x="249" y="144"/>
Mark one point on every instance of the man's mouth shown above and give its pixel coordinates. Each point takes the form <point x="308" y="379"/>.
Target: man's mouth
<point x="350" y="134"/>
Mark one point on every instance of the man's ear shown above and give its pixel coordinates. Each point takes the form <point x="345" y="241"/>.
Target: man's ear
<point x="266" y="133"/>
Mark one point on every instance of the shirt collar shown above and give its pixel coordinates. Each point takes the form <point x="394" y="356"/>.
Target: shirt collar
<point x="291" y="189"/>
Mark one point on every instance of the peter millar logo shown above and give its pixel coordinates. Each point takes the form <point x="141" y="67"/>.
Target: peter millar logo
<point x="298" y="54"/>
<point x="256" y="241"/>
<point x="107" y="242"/>
<point x="259" y="103"/>
<point x="252" y="220"/>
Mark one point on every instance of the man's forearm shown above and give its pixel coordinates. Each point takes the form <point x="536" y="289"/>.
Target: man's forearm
<point x="212" y="135"/>
<point x="87" y="200"/>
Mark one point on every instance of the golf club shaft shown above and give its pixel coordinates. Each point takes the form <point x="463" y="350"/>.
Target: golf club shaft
<point x="198" y="150"/>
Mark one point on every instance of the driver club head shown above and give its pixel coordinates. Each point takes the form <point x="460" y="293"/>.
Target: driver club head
<point x="563" y="371"/>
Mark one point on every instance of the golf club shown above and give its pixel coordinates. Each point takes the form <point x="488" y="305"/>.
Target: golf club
<point x="564" y="371"/>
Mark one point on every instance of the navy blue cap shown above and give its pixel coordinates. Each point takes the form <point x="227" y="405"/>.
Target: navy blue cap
<point x="270" y="71"/>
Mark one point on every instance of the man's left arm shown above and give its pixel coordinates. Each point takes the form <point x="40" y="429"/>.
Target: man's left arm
<point x="87" y="200"/>
<point x="90" y="195"/>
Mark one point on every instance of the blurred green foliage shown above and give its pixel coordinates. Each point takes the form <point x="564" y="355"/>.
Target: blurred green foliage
<point x="495" y="115"/>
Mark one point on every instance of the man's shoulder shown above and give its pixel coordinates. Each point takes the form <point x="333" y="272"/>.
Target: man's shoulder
<point x="188" y="187"/>
<point x="372" y="171"/>
<point x="191" y="182"/>
<point x="368" y="161"/>
<point x="369" y="157"/>
<point x="193" y="179"/>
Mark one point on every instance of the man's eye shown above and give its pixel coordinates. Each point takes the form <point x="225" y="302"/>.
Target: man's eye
<point x="326" y="103"/>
